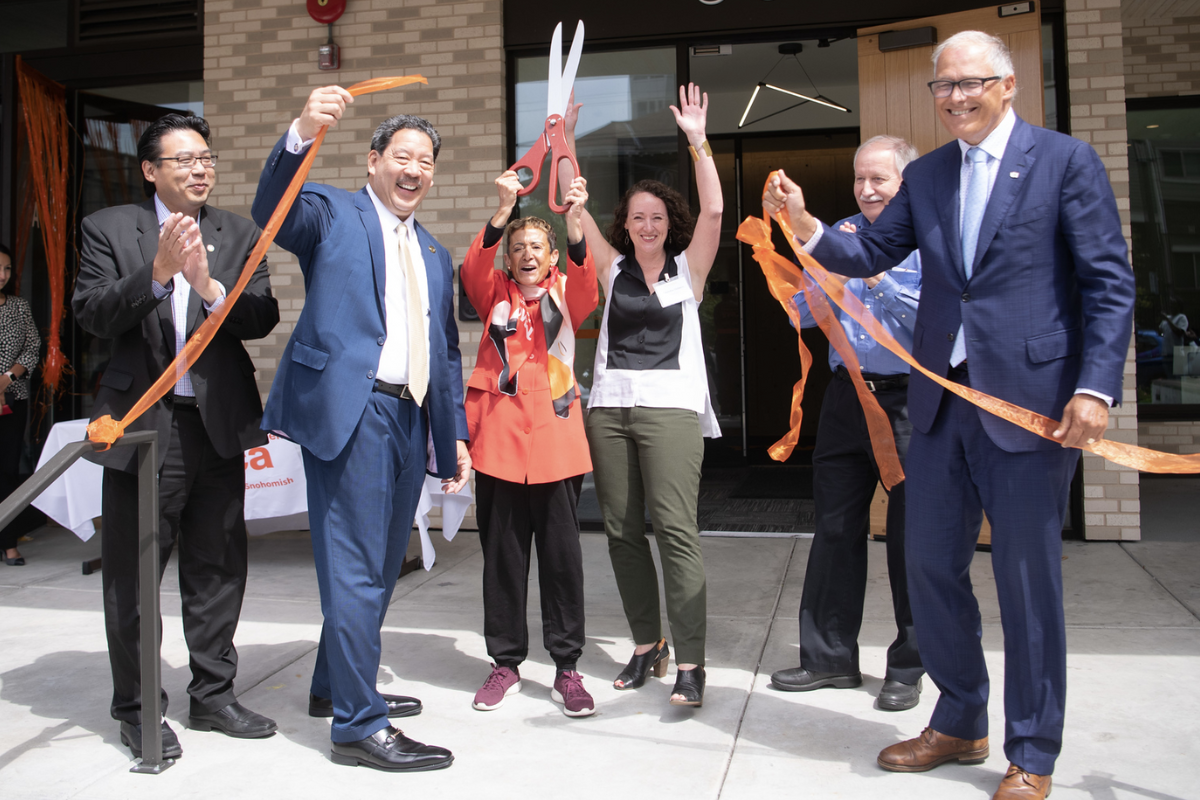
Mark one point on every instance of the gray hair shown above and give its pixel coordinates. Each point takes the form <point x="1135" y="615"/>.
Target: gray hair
<point x="903" y="152"/>
<point x="994" y="48"/>
<point x="388" y="128"/>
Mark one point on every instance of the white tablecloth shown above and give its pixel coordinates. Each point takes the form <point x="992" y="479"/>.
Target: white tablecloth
<point x="276" y="492"/>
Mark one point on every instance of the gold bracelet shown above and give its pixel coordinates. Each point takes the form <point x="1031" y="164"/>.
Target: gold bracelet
<point x="704" y="147"/>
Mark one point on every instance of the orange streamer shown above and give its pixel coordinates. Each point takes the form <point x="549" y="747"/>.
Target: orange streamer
<point x="757" y="233"/>
<point x="106" y="430"/>
<point x="784" y="284"/>
<point x="44" y="112"/>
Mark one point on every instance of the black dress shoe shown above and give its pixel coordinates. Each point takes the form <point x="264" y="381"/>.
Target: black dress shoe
<point x="389" y="749"/>
<point x="234" y="720"/>
<point x="897" y="696"/>
<point x="799" y="679"/>
<point x="131" y="737"/>
<point x="397" y="706"/>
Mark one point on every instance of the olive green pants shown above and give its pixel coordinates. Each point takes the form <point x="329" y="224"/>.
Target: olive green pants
<point x="649" y="458"/>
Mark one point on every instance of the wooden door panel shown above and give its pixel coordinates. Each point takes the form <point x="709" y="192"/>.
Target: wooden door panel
<point x="893" y="94"/>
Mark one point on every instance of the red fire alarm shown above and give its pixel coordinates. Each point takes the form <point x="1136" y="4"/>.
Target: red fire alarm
<point x="327" y="12"/>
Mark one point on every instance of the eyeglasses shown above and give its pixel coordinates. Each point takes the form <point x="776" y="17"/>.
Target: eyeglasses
<point x="970" y="87"/>
<point x="187" y="162"/>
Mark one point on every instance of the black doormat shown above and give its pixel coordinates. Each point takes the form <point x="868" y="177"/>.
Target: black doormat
<point x="776" y="483"/>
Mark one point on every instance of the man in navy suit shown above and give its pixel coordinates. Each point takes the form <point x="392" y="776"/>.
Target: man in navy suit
<point x="1027" y="295"/>
<point x="370" y="387"/>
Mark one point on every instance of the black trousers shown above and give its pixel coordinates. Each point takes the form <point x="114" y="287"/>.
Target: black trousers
<point x="844" y="479"/>
<point x="201" y="498"/>
<point x="512" y="517"/>
<point x="12" y="440"/>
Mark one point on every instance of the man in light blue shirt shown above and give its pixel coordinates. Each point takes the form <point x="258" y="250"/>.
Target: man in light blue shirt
<point x="844" y="470"/>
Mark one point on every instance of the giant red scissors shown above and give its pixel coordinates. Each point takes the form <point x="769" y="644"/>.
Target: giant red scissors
<point x="553" y="139"/>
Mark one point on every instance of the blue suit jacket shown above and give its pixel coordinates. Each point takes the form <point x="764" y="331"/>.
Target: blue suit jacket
<point x="1049" y="306"/>
<point x="327" y="371"/>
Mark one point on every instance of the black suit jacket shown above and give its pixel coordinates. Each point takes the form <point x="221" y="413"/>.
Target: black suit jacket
<point x="113" y="300"/>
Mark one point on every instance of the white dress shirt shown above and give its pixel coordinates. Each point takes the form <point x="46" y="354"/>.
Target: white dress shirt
<point x="180" y="293"/>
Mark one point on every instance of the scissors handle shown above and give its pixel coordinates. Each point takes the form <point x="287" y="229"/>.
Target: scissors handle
<point x="553" y="141"/>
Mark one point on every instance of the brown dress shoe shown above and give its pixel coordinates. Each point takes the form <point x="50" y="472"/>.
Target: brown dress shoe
<point x="930" y="749"/>
<point x="1021" y="785"/>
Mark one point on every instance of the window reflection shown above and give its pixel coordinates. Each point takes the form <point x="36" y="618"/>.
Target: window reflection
<point x="1164" y="171"/>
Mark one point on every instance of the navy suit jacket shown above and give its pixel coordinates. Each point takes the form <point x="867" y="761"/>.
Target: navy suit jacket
<point x="327" y="371"/>
<point x="1049" y="306"/>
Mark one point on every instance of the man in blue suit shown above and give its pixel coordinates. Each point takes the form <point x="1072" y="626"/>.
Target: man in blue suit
<point x="1027" y="295"/>
<point x="370" y="387"/>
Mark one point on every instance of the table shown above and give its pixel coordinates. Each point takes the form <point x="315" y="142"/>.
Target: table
<point x="276" y="492"/>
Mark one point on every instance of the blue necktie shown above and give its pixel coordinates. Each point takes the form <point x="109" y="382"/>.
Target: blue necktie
<point x="974" y="203"/>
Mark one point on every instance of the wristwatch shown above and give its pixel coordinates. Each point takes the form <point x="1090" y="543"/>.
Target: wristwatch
<point x="10" y="375"/>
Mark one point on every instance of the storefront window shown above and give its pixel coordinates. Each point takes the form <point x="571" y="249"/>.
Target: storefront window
<point x="626" y="133"/>
<point x="1164" y="175"/>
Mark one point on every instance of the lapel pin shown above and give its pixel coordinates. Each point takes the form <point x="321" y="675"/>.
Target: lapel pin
<point x="1014" y="174"/>
<point x="211" y="248"/>
<point x="431" y="249"/>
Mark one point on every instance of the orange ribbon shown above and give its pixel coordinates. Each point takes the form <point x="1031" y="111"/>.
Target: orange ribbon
<point x="784" y="283"/>
<point x="757" y="233"/>
<point x="106" y="430"/>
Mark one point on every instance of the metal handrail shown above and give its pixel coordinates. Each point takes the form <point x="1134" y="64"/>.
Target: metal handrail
<point x="152" y="761"/>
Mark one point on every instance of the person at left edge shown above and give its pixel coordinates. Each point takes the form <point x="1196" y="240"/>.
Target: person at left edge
<point x="371" y="375"/>
<point x="149" y="275"/>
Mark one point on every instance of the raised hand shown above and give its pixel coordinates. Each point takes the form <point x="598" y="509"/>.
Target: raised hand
<point x="325" y="107"/>
<point x="507" y="185"/>
<point x="692" y="114"/>
<point x="575" y="201"/>
<point x="571" y="119"/>
<point x="784" y="194"/>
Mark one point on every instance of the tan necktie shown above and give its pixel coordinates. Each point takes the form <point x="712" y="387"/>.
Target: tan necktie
<point x="418" y="356"/>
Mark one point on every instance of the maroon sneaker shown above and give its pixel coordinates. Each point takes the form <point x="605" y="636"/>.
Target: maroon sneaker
<point x="568" y="691"/>
<point x="499" y="685"/>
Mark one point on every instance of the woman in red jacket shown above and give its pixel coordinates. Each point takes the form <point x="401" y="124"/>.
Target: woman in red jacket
<point x="527" y="441"/>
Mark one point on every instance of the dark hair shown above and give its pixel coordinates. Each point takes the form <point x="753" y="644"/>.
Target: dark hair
<point x="4" y="249"/>
<point x="679" y="217"/>
<point x="537" y="224"/>
<point x="388" y="128"/>
<point x="150" y="144"/>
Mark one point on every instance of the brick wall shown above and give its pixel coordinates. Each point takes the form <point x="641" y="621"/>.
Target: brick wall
<point x="260" y="64"/>
<point x="1096" y="74"/>
<point x="1162" y="56"/>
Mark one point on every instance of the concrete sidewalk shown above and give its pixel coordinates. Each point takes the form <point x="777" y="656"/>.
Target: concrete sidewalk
<point x="1132" y="718"/>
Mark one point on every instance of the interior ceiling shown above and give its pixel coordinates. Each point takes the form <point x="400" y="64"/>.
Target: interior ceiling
<point x="730" y="80"/>
<point x="746" y="66"/>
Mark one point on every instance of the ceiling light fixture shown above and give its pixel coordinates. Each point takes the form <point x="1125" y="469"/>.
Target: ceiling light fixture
<point x="786" y="49"/>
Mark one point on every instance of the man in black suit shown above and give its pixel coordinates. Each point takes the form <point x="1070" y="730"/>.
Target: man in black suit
<point x="149" y="275"/>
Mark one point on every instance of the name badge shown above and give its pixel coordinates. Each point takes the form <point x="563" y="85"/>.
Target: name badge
<point x="670" y="292"/>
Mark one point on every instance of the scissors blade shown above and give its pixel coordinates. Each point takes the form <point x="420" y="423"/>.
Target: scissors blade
<point x="568" y="77"/>
<point x="554" y="76"/>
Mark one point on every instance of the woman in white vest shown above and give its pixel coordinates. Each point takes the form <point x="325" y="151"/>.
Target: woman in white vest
<point x="649" y="408"/>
